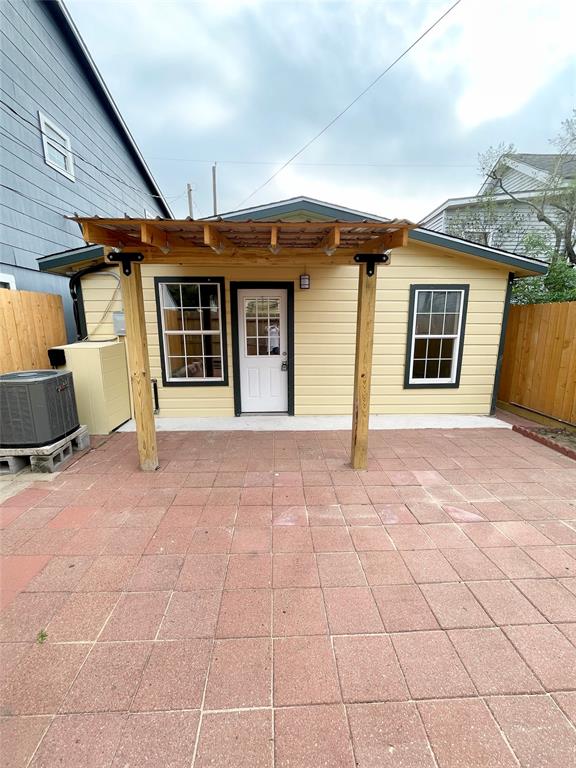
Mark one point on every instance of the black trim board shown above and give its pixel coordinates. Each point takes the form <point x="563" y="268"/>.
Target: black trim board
<point x="446" y="241"/>
<point x="498" y="370"/>
<point x="71" y="257"/>
<point x="296" y="206"/>
<point x="234" y="288"/>
<point x="465" y="287"/>
<point x="158" y="281"/>
<point x="82" y="328"/>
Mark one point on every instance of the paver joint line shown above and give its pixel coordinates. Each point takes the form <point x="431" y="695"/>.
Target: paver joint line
<point x="255" y="591"/>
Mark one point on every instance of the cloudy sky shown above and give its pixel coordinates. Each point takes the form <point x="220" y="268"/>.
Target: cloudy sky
<point x="248" y="82"/>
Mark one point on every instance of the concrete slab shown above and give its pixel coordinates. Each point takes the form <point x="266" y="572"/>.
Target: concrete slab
<point x="281" y="422"/>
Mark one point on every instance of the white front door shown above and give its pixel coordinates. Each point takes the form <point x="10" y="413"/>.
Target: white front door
<point x="263" y="350"/>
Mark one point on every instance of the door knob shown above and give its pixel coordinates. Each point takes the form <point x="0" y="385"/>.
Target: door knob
<point x="284" y="366"/>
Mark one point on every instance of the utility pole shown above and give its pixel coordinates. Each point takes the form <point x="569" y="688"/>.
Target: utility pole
<point x="190" y="204"/>
<point x="214" y="197"/>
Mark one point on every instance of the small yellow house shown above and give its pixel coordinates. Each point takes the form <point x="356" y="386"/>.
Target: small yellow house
<point x="240" y="336"/>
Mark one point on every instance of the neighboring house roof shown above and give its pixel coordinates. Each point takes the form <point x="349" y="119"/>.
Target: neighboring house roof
<point x="566" y="167"/>
<point x="461" y="202"/>
<point x="306" y="208"/>
<point x="536" y="167"/>
<point x="541" y="169"/>
<point x="65" y="23"/>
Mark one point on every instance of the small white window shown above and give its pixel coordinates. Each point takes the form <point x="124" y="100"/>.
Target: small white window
<point x="435" y="342"/>
<point x="57" y="147"/>
<point x="262" y="319"/>
<point x="7" y="281"/>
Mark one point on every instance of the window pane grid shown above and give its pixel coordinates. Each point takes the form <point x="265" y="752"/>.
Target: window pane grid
<point x="57" y="147"/>
<point x="436" y="332"/>
<point x="191" y="327"/>
<point x="262" y="326"/>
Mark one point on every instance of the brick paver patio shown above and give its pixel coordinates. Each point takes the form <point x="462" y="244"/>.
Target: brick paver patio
<point x="256" y="603"/>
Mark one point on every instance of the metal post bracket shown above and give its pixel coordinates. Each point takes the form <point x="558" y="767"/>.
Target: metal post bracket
<point x="371" y="259"/>
<point x="125" y="259"/>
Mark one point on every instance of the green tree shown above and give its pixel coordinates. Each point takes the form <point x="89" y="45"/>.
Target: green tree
<point x="558" y="284"/>
<point x="554" y="203"/>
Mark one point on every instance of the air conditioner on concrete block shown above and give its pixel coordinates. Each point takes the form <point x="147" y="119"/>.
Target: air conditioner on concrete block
<point x="36" y="408"/>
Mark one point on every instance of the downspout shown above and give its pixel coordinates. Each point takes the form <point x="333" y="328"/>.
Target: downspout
<point x="76" y="294"/>
<point x="499" y="361"/>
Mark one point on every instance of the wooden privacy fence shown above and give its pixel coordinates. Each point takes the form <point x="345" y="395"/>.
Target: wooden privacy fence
<point x="539" y="365"/>
<point x="30" y="323"/>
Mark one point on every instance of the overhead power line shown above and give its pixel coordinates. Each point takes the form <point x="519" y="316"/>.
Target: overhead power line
<point x="314" y="165"/>
<point x="351" y="104"/>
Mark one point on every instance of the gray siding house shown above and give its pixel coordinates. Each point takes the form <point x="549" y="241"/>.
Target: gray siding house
<point x="65" y="147"/>
<point x="491" y="217"/>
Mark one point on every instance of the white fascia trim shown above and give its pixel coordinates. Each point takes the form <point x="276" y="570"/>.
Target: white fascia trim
<point x="527" y="170"/>
<point x="501" y="197"/>
<point x="455" y="202"/>
<point x="517" y="165"/>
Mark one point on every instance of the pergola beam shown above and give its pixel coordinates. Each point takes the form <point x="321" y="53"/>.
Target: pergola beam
<point x="157" y="238"/>
<point x="331" y="241"/>
<point x="397" y="239"/>
<point x="92" y="232"/>
<point x="216" y="240"/>
<point x="188" y="243"/>
<point x="274" y="247"/>
<point x="241" y="257"/>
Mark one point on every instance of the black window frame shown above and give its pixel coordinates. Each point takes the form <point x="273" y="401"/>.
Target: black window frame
<point x="158" y="282"/>
<point x="465" y="288"/>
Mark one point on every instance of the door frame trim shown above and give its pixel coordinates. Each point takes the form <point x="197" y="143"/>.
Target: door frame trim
<point x="241" y="285"/>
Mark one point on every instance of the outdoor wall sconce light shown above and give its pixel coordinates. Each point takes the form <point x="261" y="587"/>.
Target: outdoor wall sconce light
<point x="304" y="282"/>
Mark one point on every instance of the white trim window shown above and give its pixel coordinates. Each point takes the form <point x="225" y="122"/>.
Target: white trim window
<point x="436" y="334"/>
<point x="57" y="147"/>
<point x="7" y="281"/>
<point x="192" y="337"/>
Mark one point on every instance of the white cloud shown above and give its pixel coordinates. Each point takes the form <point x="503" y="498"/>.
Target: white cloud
<point x="254" y="79"/>
<point x="498" y="54"/>
<point x="189" y="111"/>
<point x="390" y="196"/>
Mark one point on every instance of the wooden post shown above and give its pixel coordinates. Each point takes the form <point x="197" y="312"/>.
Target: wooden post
<point x="363" y="366"/>
<point x="139" y="368"/>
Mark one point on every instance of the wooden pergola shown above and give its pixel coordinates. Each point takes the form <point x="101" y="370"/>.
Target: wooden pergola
<point x="133" y="242"/>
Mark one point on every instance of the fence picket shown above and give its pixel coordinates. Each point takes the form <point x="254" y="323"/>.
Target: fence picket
<point x="30" y="323"/>
<point x="539" y="364"/>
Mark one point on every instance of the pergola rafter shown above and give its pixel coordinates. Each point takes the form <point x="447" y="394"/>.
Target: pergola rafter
<point x="133" y="242"/>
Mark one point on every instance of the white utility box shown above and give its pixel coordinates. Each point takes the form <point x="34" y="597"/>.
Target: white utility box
<point x="100" y="376"/>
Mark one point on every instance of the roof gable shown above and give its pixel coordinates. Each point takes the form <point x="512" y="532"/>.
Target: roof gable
<point x="536" y="170"/>
<point x="308" y="209"/>
<point x="298" y="209"/>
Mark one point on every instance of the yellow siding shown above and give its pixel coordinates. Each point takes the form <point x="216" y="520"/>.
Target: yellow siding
<point x="325" y="318"/>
